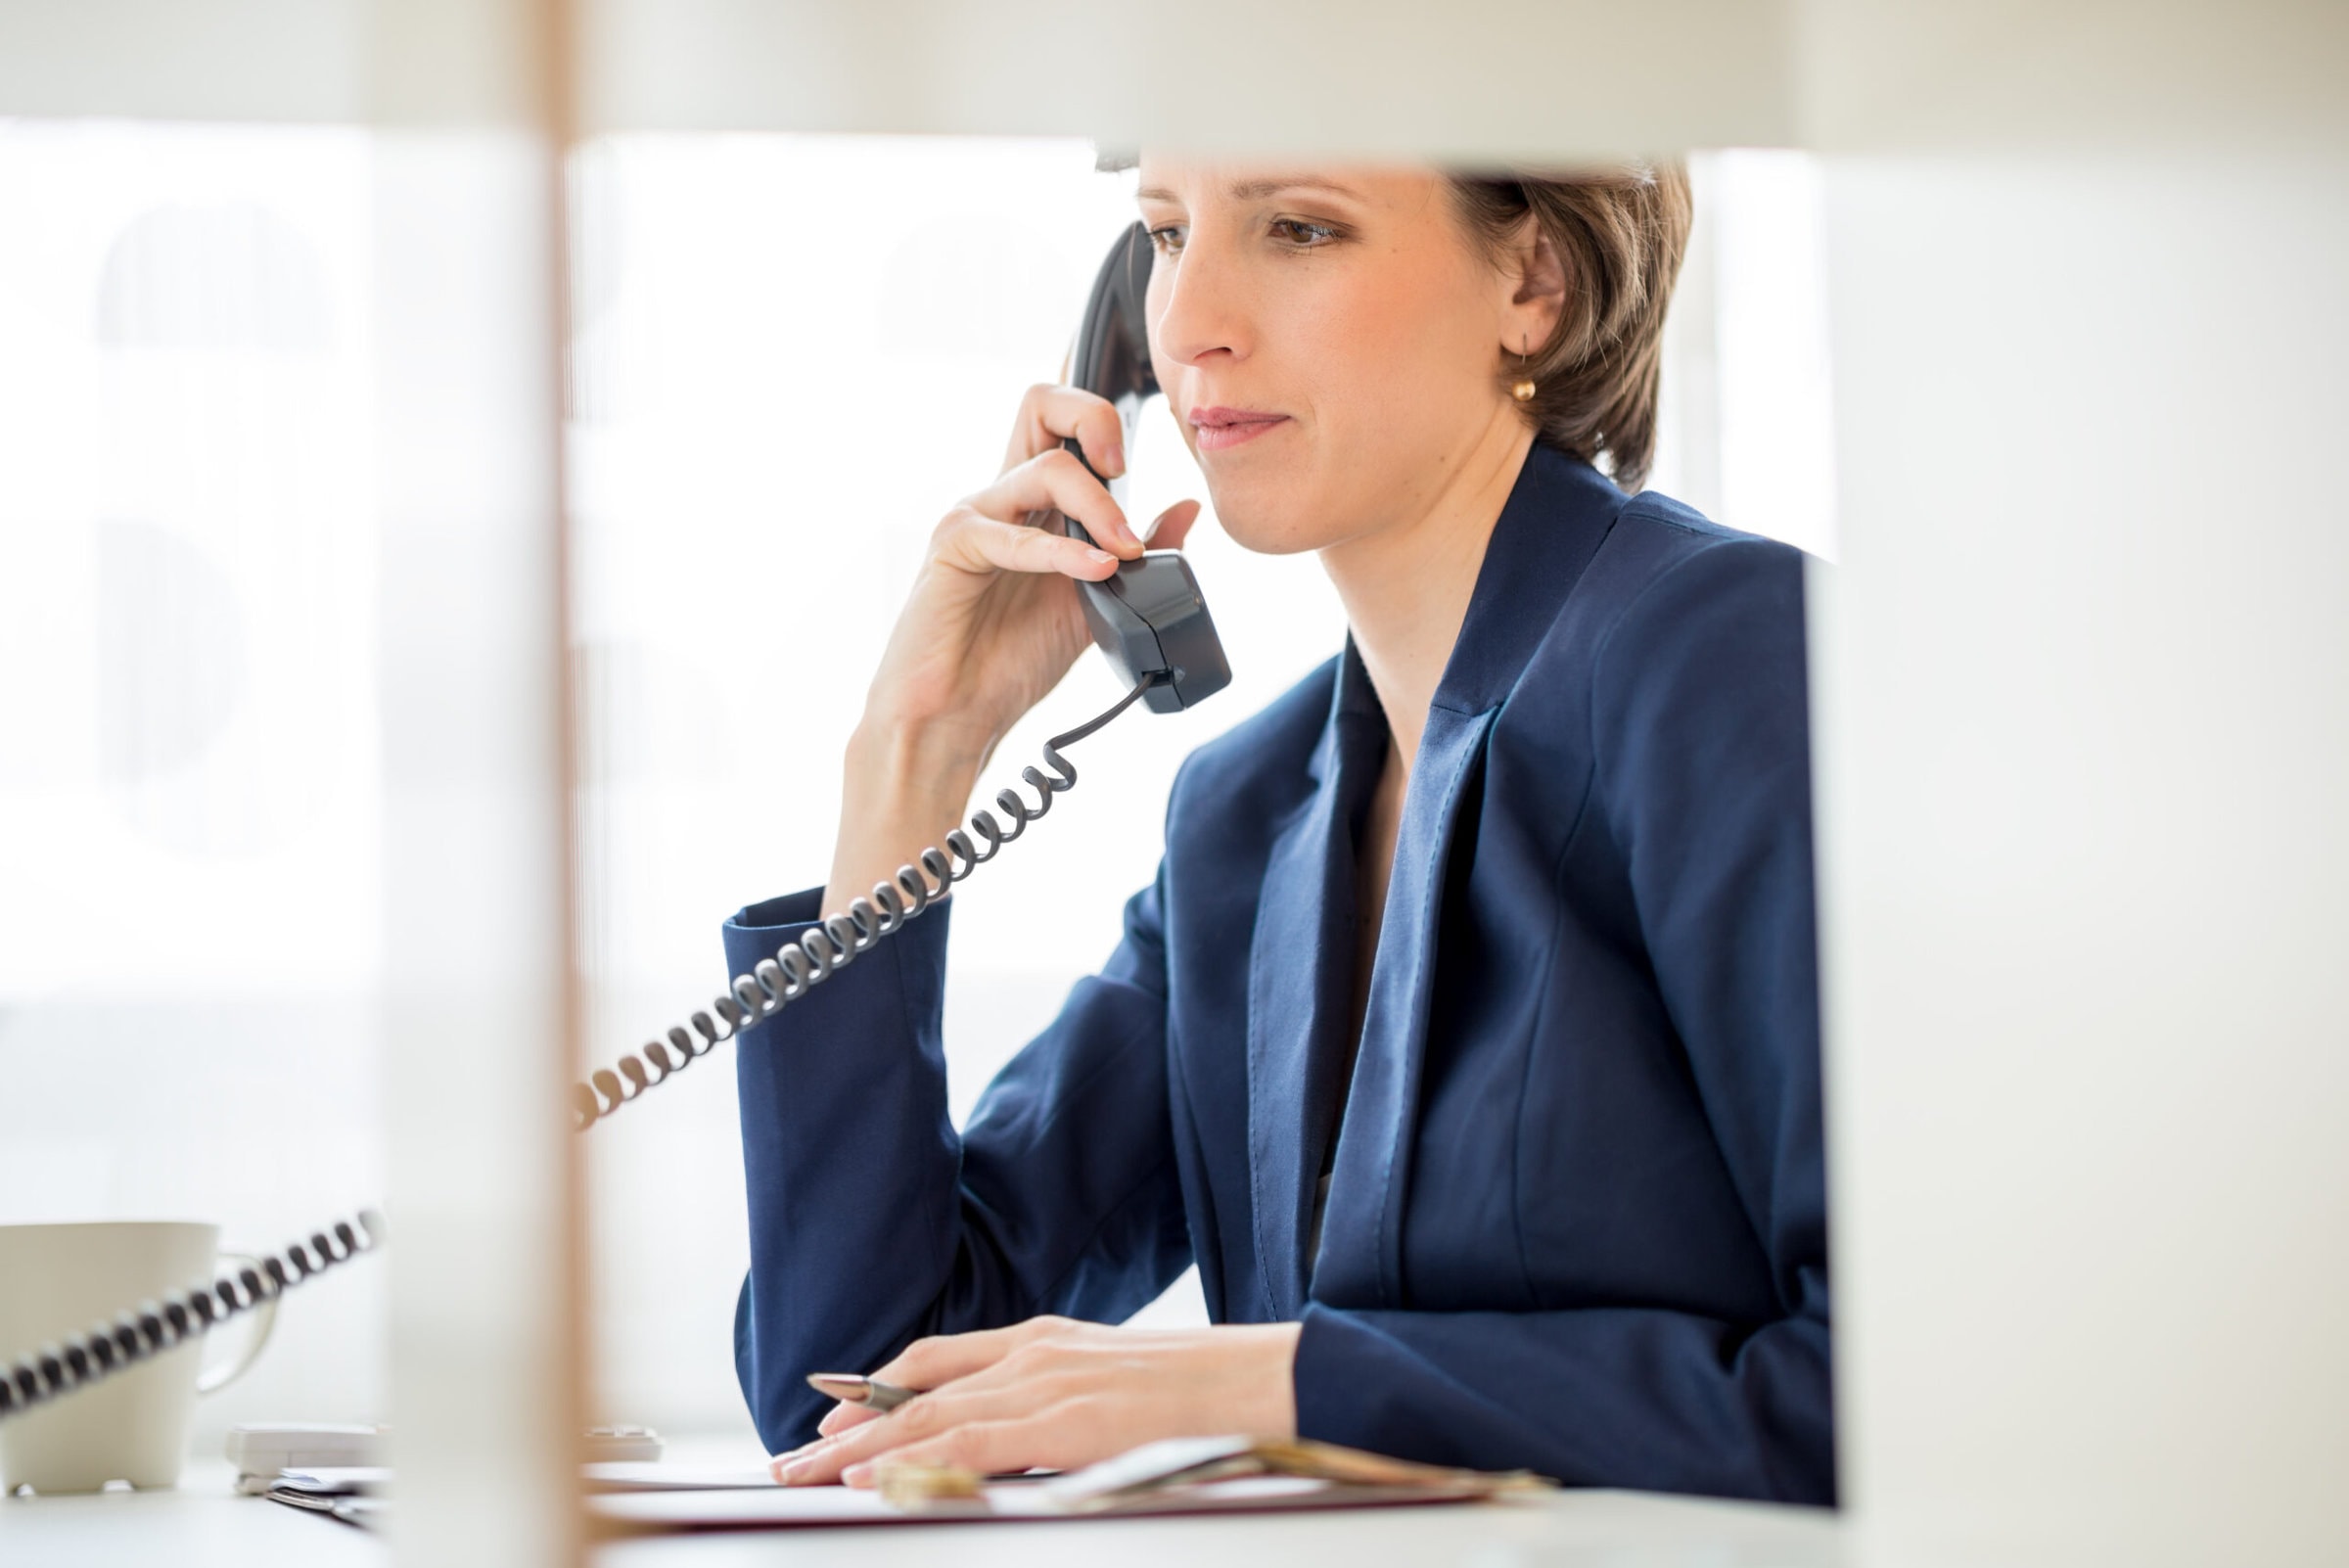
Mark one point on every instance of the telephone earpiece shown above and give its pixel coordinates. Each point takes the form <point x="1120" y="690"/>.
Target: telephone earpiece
<point x="1150" y="618"/>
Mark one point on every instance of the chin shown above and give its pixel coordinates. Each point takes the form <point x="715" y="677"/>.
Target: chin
<point x="1269" y="518"/>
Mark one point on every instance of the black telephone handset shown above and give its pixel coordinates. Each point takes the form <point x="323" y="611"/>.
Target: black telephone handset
<point x="1150" y="618"/>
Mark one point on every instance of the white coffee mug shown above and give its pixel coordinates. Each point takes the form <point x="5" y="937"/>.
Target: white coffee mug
<point x="58" y="1282"/>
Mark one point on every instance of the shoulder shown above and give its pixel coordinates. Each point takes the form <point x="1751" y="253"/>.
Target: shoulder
<point x="1580" y="564"/>
<point x="1675" y="623"/>
<point x="1702" y="652"/>
<point x="1656" y="539"/>
<point x="1667" y="584"/>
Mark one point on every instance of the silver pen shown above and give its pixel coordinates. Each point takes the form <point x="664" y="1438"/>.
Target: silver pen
<point x="850" y="1389"/>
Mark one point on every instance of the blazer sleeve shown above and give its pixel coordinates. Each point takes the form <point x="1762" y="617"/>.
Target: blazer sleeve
<point x="872" y="1224"/>
<point x="1701" y="735"/>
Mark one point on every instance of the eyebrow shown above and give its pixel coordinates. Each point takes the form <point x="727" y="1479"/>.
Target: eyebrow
<point x="1258" y="190"/>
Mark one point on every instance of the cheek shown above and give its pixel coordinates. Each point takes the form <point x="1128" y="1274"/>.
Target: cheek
<point x="1398" y="361"/>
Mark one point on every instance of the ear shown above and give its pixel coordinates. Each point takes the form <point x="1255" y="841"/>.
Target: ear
<point x="1538" y="291"/>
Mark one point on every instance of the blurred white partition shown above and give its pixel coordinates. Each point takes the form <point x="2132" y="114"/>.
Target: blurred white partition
<point x="227" y="60"/>
<point x="1471" y="79"/>
<point x="2088" y="75"/>
<point x="477" y="921"/>
<point x="481" y="1030"/>
<point x="2083" y="681"/>
<point x="1474" y="80"/>
<point x="2082" y="678"/>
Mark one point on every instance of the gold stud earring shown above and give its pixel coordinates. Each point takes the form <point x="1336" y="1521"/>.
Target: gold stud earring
<point x="1523" y="387"/>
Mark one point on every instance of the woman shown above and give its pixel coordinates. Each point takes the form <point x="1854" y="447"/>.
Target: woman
<point x="1467" y="1039"/>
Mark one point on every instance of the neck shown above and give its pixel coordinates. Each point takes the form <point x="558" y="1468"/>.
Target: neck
<point x="1406" y="585"/>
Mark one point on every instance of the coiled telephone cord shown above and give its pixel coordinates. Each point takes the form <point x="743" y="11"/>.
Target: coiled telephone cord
<point x="826" y="949"/>
<point x="153" y="1327"/>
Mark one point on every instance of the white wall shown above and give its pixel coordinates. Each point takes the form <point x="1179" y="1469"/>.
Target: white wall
<point x="1746" y="409"/>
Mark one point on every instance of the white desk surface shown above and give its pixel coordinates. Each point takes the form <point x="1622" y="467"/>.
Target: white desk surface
<point x="207" y="1524"/>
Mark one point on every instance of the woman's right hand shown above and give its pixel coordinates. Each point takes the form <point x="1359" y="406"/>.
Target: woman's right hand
<point x="992" y="625"/>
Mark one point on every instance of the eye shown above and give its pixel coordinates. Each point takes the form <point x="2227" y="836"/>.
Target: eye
<point x="1168" y="240"/>
<point x="1301" y="235"/>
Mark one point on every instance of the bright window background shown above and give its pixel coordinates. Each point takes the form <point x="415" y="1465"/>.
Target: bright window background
<point x="792" y="354"/>
<point x="189" y="807"/>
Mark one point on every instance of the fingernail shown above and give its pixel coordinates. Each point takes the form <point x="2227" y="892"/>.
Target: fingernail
<point x="1113" y="460"/>
<point x="790" y="1474"/>
<point x="857" y="1475"/>
<point x="1099" y="556"/>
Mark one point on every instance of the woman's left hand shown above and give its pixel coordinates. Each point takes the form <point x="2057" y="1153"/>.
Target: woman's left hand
<point x="1055" y="1394"/>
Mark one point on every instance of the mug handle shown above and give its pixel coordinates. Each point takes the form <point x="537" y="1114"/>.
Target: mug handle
<point x="264" y="1319"/>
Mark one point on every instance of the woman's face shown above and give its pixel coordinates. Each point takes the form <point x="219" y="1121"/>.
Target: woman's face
<point x="1330" y="340"/>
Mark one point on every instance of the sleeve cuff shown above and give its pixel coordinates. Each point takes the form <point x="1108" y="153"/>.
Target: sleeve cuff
<point x="1324" y="1368"/>
<point x="1352" y="1386"/>
<point x="760" y="927"/>
<point x="913" y="956"/>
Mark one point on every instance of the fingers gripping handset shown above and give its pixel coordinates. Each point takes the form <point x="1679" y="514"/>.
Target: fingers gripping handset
<point x="1148" y="618"/>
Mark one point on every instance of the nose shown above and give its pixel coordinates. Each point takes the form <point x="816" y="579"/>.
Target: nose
<point x="1198" y="307"/>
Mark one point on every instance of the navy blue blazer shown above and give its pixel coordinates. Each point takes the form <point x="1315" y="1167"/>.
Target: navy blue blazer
<point x="1576" y="1220"/>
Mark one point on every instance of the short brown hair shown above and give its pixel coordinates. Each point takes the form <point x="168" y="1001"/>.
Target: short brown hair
<point x="1620" y="234"/>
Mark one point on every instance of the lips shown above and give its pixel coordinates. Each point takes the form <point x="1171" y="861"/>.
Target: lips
<point x="1220" y="429"/>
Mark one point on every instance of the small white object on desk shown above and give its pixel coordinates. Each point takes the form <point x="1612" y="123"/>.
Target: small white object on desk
<point x="261" y="1451"/>
<point x="263" y="1448"/>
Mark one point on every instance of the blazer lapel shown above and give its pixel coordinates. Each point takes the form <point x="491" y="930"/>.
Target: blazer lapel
<point x="1301" y="963"/>
<point x="1557" y="515"/>
<point x="1373" y="1168"/>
